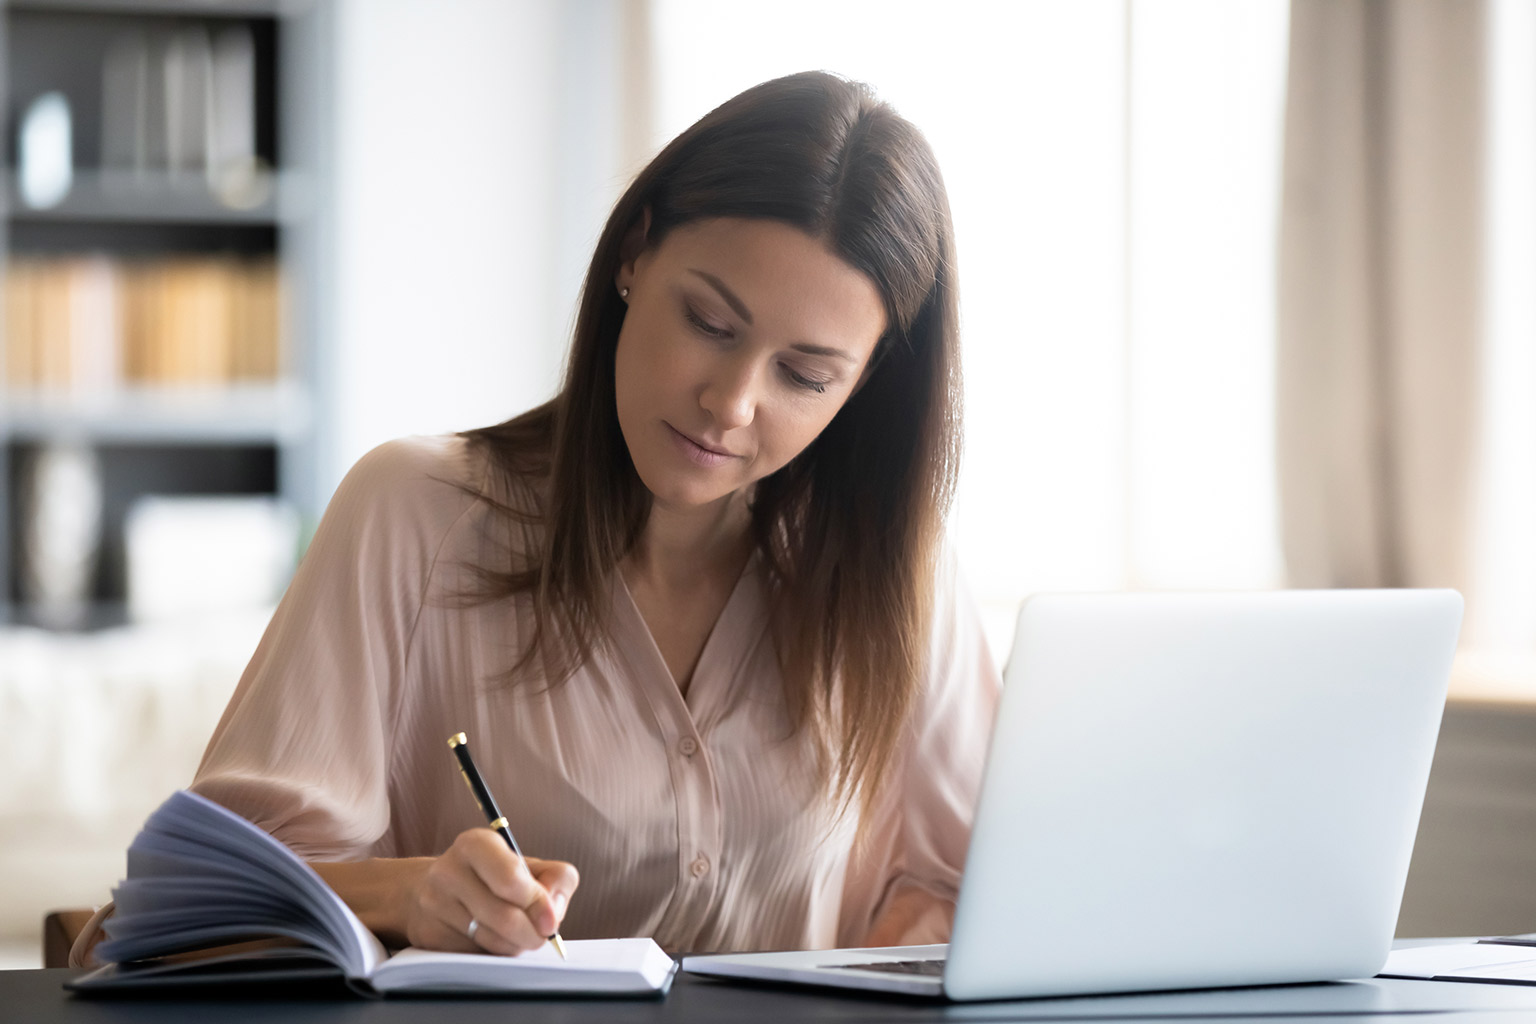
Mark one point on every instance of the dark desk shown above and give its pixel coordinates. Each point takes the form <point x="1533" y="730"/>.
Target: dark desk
<point x="36" y="997"/>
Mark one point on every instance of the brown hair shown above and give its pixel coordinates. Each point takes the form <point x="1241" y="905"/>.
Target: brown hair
<point x="849" y="529"/>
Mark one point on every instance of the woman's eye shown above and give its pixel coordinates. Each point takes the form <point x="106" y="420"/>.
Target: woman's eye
<point x="704" y="326"/>
<point x="800" y="380"/>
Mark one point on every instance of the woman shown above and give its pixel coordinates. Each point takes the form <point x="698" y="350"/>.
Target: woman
<point x="693" y="614"/>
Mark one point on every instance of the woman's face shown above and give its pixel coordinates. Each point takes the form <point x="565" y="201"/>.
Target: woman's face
<point x="743" y="339"/>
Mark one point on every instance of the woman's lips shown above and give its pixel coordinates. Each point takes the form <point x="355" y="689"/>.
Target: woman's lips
<point x="698" y="454"/>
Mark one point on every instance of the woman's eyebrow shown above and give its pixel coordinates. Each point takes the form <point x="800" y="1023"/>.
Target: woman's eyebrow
<point x="741" y="310"/>
<point x="822" y="350"/>
<point x="725" y="293"/>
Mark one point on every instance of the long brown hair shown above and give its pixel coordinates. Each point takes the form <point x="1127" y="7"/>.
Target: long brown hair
<point x="849" y="529"/>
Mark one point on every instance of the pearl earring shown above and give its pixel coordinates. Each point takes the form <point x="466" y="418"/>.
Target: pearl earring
<point x="623" y="293"/>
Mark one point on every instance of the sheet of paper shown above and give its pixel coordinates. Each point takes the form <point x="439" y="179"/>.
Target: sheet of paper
<point x="1483" y="960"/>
<point x="583" y="954"/>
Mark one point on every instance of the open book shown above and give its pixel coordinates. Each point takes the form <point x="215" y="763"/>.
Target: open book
<point x="201" y="876"/>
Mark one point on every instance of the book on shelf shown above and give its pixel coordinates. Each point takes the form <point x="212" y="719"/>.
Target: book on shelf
<point x="91" y="324"/>
<point x="61" y="325"/>
<point x="203" y="883"/>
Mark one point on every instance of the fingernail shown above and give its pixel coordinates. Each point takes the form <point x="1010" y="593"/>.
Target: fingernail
<point x="559" y="905"/>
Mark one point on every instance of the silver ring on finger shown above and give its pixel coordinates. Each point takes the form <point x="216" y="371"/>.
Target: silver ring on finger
<point x="474" y="926"/>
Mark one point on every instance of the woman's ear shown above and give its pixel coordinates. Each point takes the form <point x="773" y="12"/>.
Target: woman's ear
<point x="630" y="249"/>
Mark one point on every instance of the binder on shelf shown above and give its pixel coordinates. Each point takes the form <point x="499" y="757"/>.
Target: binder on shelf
<point x="181" y="104"/>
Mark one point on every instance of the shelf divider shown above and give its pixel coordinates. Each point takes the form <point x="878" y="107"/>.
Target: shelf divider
<point x="277" y="413"/>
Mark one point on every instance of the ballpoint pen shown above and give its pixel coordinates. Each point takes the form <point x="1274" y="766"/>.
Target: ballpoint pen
<point x="482" y="794"/>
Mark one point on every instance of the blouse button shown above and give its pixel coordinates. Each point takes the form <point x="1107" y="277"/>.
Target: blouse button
<point x="699" y="867"/>
<point x="689" y="746"/>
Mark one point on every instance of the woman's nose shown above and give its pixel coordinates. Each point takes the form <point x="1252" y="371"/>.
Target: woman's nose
<point x="730" y="394"/>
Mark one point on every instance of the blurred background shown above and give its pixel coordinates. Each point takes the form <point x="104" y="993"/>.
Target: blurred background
<point x="1247" y="297"/>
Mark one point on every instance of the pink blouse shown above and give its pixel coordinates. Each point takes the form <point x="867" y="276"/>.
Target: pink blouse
<point x="695" y="820"/>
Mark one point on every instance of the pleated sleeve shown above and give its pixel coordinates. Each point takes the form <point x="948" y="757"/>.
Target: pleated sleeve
<point x="304" y="749"/>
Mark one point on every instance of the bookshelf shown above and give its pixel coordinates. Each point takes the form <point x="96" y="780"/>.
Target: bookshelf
<point x="163" y="321"/>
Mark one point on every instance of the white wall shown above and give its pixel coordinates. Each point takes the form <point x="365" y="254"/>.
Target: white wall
<point x="446" y="312"/>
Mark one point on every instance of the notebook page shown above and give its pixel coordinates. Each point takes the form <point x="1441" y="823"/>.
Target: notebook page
<point x="205" y="852"/>
<point x="593" y="965"/>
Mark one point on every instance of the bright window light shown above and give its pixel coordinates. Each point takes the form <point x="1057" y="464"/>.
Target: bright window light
<point x="1502" y="623"/>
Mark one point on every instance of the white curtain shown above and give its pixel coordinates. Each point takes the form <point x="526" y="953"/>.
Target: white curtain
<point x="1380" y="301"/>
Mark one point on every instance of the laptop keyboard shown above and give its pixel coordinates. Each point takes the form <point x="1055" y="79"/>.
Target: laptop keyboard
<point x="929" y="968"/>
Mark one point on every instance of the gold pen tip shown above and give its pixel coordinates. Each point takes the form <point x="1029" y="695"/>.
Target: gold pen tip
<point x="457" y="739"/>
<point x="554" y="940"/>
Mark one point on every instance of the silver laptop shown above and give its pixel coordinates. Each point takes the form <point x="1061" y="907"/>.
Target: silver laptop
<point x="1184" y="791"/>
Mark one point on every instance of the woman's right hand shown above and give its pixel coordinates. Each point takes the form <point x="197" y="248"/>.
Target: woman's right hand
<point x="428" y="902"/>
<point x="515" y="907"/>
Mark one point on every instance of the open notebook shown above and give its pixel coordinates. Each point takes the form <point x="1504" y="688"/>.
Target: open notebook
<point x="201" y="878"/>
